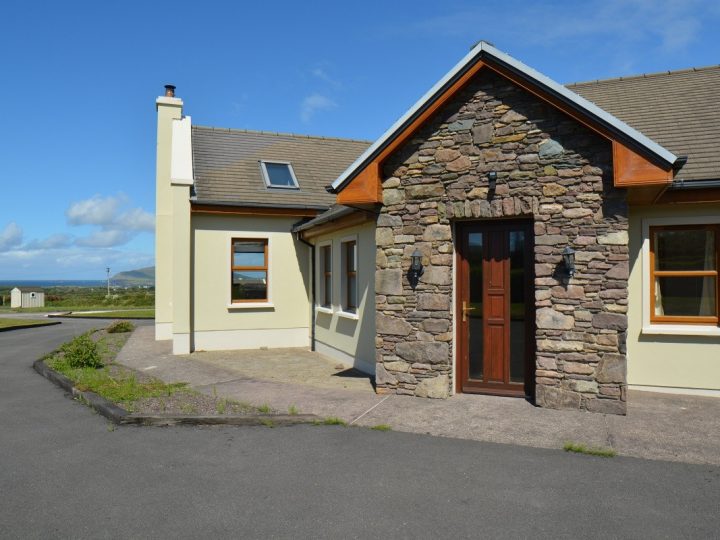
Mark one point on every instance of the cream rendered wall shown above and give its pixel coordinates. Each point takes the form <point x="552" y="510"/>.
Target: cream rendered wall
<point x="347" y="338"/>
<point x="168" y="109"/>
<point x="662" y="358"/>
<point x="217" y="324"/>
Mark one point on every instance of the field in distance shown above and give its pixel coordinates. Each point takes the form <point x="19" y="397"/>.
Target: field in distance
<point x="88" y="298"/>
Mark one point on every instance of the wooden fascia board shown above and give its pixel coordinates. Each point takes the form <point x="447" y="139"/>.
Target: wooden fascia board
<point x="629" y="167"/>
<point x="252" y="211"/>
<point x="696" y="196"/>
<point x="339" y="224"/>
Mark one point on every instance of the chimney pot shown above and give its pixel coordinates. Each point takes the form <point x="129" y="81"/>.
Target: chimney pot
<point x="169" y="90"/>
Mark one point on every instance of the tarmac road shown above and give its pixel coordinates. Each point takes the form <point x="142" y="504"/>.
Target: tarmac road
<point x="65" y="472"/>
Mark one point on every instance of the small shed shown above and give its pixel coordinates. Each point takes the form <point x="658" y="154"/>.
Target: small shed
<point x="27" y="297"/>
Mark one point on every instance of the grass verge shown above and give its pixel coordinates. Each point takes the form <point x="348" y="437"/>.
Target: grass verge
<point x="13" y="323"/>
<point x="590" y="451"/>
<point x="88" y="361"/>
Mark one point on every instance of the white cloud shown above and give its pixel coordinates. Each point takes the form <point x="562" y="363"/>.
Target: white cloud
<point x="109" y="238"/>
<point x="323" y="75"/>
<point x="314" y="103"/>
<point x="117" y="225"/>
<point x="54" y="241"/>
<point x="136" y="219"/>
<point x="96" y="210"/>
<point x="11" y="236"/>
<point x="112" y="222"/>
<point x="68" y="263"/>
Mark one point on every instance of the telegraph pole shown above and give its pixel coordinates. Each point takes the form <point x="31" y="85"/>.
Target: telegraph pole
<point x="107" y="270"/>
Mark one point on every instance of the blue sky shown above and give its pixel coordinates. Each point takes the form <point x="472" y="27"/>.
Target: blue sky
<point x="79" y="80"/>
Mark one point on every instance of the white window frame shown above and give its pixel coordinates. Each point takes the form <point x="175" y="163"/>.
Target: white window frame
<point x="343" y="279"/>
<point x="320" y="277"/>
<point x="648" y="327"/>
<point x="250" y="235"/>
<point x="266" y="176"/>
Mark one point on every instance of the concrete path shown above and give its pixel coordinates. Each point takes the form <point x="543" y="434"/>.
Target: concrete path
<point x="67" y="474"/>
<point x="658" y="426"/>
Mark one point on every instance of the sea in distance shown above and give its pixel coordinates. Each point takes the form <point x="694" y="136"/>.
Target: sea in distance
<point x="47" y="283"/>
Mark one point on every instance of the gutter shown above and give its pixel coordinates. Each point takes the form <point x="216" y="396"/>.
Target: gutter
<point x="294" y="206"/>
<point x="681" y="184"/>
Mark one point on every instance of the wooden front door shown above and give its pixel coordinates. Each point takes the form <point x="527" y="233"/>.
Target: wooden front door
<point x="495" y="308"/>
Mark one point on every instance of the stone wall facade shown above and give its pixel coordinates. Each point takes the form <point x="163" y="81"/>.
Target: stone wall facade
<point x="552" y="170"/>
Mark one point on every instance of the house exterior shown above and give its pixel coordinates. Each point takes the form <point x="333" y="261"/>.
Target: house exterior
<point x="27" y="297"/>
<point x="507" y="235"/>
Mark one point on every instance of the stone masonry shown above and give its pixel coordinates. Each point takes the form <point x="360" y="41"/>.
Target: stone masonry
<point x="552" y="170"/>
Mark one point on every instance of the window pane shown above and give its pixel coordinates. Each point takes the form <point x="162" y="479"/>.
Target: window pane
<point x="250" y="253"/>
<point x="518" y="253"/>
<point x="327" y="291"/>
<point x="350" y="256"/>
<point x="685" y="296"/>
<point x="475" y="315"/>
<point x="352" y="293"/>
<point x="691" y="249"/>
<point x="279" y="174"/>
<point x="326" y="259"/>
<point x="249" y="285"/>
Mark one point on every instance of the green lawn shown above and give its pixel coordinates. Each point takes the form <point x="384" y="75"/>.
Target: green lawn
<point x="12" y="323"/>
<point x="120" y="314"/>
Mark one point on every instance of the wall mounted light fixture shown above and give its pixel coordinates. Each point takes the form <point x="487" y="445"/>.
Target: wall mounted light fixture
<point x="416" y="268"/>
<point x="568" y="256"/>
<point x="492" y="180"/>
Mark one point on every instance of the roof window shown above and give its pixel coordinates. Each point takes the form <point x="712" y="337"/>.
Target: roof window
<point x="278" y="174"/>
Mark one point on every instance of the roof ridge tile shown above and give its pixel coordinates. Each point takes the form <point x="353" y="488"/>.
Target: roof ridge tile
<point x="645" y="75"/>
<point x="280" y="134"/>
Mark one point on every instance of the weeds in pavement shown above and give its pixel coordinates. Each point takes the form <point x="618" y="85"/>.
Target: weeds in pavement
<point x="381" y="427"/>
<point x="331" y="421"/>
<point x="579" y="448"/>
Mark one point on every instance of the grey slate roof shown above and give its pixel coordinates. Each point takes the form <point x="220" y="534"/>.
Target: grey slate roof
<point x="227" y="169"/>
<point x="680" y="110"/>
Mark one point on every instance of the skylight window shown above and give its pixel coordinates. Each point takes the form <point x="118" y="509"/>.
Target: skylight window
<point x="278" y="174"/>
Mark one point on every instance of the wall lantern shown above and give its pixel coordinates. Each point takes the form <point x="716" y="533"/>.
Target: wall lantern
<point x="416" y="268"/>
<point x="568" y="256"/>
<point x="492" y="180"/>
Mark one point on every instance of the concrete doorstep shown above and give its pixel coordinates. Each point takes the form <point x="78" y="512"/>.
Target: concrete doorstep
<point x="657" y="426"/>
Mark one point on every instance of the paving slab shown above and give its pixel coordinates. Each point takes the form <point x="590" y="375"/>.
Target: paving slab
<point x="658" y="426"/>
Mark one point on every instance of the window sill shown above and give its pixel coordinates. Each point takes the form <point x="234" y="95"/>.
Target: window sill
<point x="321" y="309"/>
<point x="348" y="315"/>
<point x="681" y="330"/>
<point x="251" y="305"/>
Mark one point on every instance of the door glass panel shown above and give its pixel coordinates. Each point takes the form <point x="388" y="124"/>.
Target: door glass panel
<point x="517" y="306"/>
<point x="475" y="304"/>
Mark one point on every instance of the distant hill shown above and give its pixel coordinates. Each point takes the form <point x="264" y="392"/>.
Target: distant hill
<point x="135" y="278"/>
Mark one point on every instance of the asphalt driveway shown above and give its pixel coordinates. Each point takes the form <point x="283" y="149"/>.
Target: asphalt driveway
<point x="65" y="473"/>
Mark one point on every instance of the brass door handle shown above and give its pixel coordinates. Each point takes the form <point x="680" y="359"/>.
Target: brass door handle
<point x="465" y="311"/>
